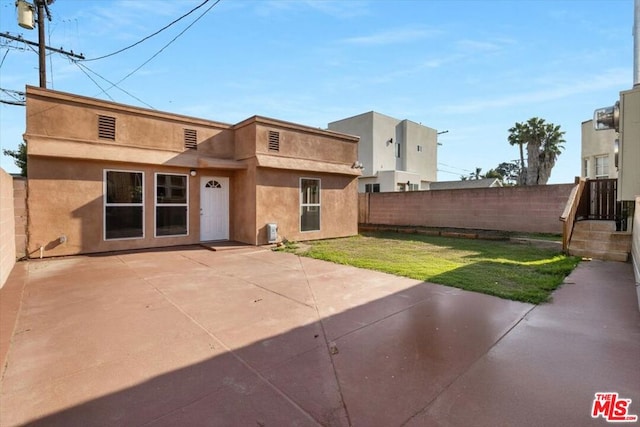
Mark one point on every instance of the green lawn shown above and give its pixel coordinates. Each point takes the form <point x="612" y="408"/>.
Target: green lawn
<point x="507" y="270"/>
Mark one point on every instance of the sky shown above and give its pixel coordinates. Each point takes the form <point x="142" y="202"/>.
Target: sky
<point x="473" y="68"/>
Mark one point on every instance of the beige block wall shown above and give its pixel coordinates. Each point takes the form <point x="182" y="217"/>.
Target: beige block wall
<point x="532" y="209"/>
<point x="635" y="247"/>
<point x="7" y="227"/>
<point x="278" y="201"/>
<point x="20" y="210"/>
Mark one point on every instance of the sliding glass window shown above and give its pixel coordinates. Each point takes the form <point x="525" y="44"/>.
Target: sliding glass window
<point x="123" y="204"/>
<point x="172" y="195"/>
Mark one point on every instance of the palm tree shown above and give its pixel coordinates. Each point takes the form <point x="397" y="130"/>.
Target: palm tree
<point x="544" y="145"/>
<point x="518" y="136"/>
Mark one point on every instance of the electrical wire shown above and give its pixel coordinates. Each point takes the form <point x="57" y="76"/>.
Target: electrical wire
<point x="83" y="67"/>
<point x="455" y="167"/>
<point x="3" y="58"/>
<point x="93" y="80"/>
<point x="452" y="173"/>
<point x="167" y="45"/>
<point x="154" y="34"/>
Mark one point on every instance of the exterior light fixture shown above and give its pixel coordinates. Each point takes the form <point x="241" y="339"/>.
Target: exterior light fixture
<point x="193" y="172"/>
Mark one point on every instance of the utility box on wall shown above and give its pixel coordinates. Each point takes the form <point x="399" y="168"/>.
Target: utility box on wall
<point x="272" y="233"/>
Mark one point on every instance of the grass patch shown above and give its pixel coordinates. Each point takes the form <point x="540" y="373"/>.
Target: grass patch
<point x="507" y="270"/>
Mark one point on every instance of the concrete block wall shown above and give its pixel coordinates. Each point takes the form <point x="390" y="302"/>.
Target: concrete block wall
<point x="635" y="247"/>
<point x="529" y="209"/>
<point x="7" y="227"/>
<point x="20" y="211"/>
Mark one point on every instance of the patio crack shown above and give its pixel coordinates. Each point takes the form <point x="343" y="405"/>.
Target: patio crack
<point x="330" y="346"/>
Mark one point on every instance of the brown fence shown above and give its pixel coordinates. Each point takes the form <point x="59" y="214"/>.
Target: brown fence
<point x="530" y="209"/>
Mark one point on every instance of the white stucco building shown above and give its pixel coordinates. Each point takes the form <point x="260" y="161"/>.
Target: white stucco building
<point x="397" y="155"/>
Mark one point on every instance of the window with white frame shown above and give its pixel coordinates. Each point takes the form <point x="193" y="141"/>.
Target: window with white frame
<point x="309" y="204"/>
<point x="602" y="167"/>
<point x="172" y="195"/>
<point x="123" y="204"/>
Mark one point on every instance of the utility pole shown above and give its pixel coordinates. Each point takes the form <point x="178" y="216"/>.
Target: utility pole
<point x="42" y="51"/>
<point x="26" y="20"/>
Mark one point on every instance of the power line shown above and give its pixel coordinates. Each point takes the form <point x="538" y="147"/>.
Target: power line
<point x="94" y="82"/>
<point x="154" y="34"/>
<point x="454" y="167"/>
<point x="7" y="35"/>
<point x="84" y="67"/>
<point x="165" y="46"/>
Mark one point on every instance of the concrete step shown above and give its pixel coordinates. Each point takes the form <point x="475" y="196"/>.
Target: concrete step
<point x="599" y="254"/>
<point x="598" y="239"/>
<point x="613" y="242"/>
<point x="592" y="225"/>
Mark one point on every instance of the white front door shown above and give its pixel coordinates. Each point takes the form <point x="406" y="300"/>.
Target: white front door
<point x="214" y="208"/>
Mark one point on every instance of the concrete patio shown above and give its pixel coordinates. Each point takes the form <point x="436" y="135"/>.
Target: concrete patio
<point x="249" y="337"/>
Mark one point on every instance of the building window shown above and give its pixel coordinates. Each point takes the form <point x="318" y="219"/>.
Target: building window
<point x="172" y="195"/>
<point x="398" y="150"/>
<point x="585" y="168"/>
<point x="123" y="205"/>
<point x="309" y="204"/>
<point x="414" y="187"/>
<point x="372" y="188"/>
<point x="602" y="167"/>
<point x="419" y="147"/>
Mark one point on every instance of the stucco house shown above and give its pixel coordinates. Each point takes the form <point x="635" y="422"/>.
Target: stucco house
<point x="599" y="152"/>
<point x="396" y="155"/>
<point x="105" y="176"/>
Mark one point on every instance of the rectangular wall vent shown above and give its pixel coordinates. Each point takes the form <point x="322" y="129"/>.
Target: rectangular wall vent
<point x="191" y="139"/>
<point x="274" y="141"/>
<point x="107" y="127"/>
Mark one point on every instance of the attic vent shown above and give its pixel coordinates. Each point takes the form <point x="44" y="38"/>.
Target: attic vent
<point x="107" y="127"/>
<point x="191" y="139"/>
<point x="274" y="141"/>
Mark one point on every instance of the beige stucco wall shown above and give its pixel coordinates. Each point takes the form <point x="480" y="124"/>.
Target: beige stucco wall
<point x="66" y="199"/>
<point x="7" y="227"/>
<point x="595" y="144"/>
<point x="67" y="160"/>
<point x="278" y="201"/>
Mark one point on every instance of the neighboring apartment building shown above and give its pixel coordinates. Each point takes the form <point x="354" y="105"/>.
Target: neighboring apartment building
<point x="105" y="176"/>
<point x="599" y="153"/>
<point x="396" y="155"/>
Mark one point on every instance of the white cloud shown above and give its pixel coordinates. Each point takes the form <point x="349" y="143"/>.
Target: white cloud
<point x="398" y="35"/>
<point x="610" y="79"/>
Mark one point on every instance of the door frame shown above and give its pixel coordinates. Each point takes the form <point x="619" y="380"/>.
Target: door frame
<point x="223" y="181"/>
